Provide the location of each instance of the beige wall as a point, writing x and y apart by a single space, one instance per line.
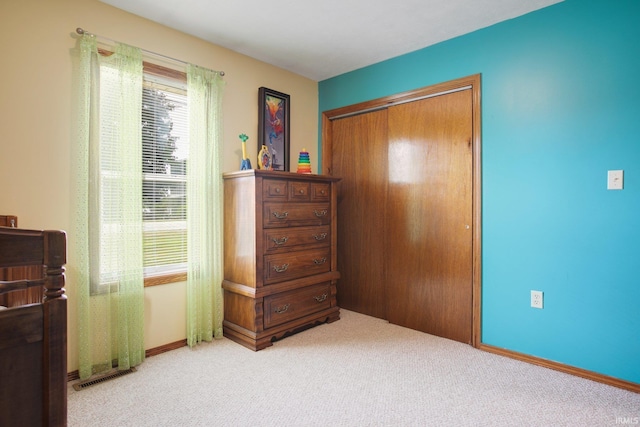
36 44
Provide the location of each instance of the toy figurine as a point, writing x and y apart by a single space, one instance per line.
246 163
264 159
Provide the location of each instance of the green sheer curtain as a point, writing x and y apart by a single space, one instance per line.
204 206
108 247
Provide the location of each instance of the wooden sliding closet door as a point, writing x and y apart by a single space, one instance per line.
429 236
409 210
360 159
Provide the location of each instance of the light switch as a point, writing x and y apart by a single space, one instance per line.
615 180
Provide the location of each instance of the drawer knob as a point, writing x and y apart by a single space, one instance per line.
278 190
282 215
301 191
280 269
320 298
321 213
282 309
319 261
320 236
280 241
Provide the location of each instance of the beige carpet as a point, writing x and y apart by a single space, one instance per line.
358 371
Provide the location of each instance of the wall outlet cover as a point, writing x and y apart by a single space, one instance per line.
536 299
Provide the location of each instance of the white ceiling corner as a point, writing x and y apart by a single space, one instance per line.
322 39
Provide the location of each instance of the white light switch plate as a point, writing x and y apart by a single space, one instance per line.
615 180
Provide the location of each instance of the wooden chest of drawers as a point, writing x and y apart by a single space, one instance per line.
280 268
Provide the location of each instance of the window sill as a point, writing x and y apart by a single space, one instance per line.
165 279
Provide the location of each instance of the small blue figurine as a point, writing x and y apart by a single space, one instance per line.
246 163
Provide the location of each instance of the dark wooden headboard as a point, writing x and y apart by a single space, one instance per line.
26 296
33 337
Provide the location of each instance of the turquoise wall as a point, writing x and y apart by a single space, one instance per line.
560 107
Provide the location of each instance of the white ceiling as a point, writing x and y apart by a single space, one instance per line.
324 38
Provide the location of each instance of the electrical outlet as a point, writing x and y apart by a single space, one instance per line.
536 299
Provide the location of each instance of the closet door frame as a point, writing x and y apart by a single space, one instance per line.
473 83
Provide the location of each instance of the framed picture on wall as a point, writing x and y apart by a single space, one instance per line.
273 126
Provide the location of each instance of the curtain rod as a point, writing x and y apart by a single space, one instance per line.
83 32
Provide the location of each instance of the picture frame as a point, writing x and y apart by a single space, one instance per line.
273 126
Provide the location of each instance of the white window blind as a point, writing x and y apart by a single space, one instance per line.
106 183
165 149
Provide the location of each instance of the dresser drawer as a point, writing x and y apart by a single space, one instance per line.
292 190
299 190
275 189
289 190
293 265
291 305
320 192
283 239
295 214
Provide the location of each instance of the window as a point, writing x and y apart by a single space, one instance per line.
165 149
130 206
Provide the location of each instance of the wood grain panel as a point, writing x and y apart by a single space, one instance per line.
31 295
359 157
21 327
429 216
240 253
243 311
22 401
